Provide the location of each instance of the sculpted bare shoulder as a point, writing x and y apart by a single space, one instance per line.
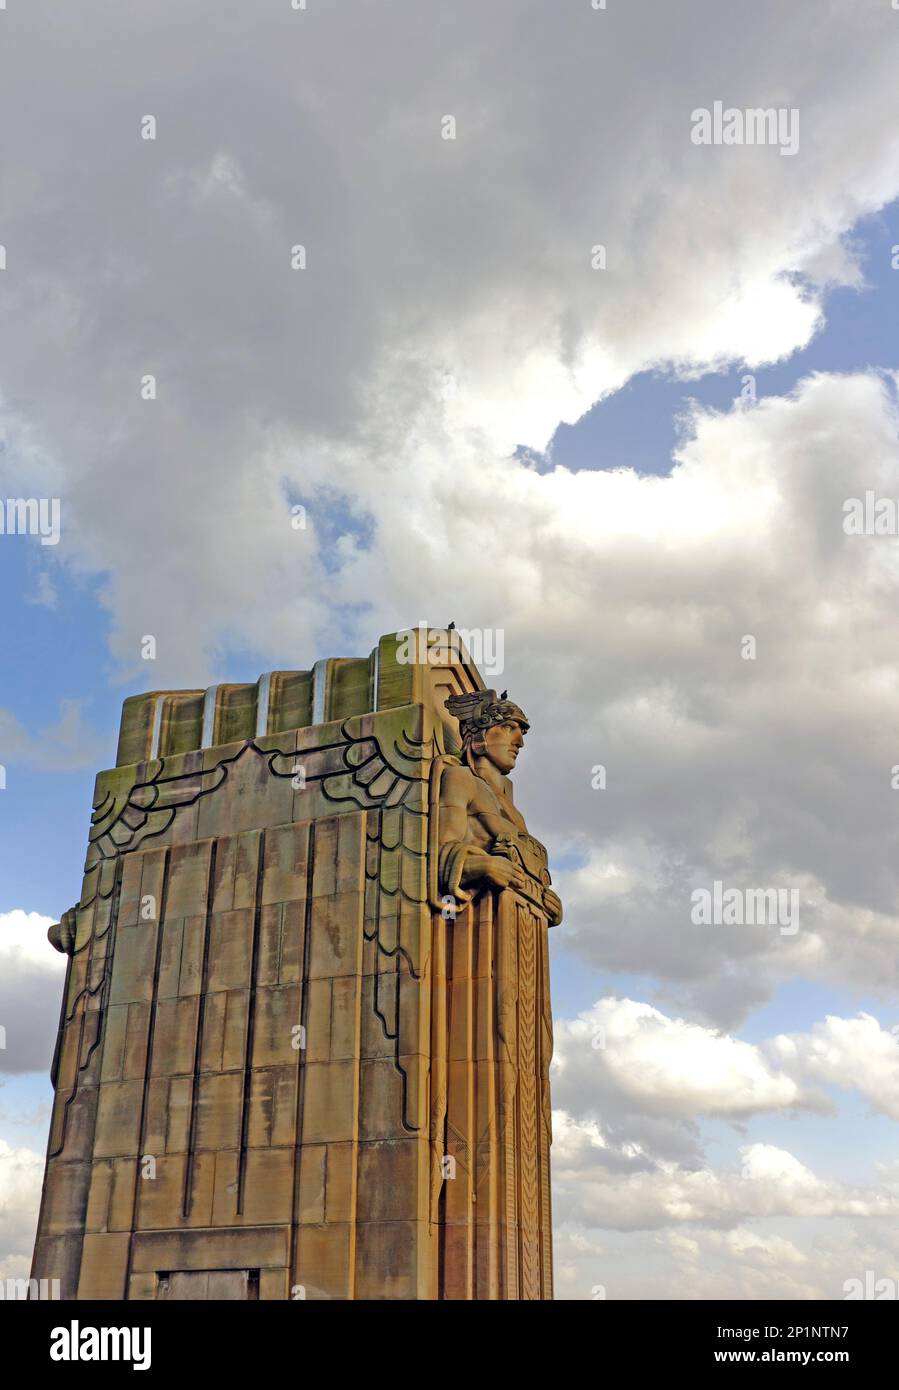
483 836
459 786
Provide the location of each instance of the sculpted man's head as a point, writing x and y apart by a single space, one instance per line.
491 727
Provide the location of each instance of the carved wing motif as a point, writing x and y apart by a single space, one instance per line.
380 764
386 767
383 760
123 820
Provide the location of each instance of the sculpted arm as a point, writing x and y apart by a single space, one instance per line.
464 863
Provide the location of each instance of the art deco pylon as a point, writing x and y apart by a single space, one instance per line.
305 1038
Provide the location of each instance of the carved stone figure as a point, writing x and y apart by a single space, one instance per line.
305 1038
483 837
490 1097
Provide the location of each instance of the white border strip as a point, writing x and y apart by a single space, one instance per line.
319 690
157 727
263 697
209 702
376 672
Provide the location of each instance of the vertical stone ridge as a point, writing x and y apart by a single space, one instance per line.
198 1044
251 1026
148 1064
293 1266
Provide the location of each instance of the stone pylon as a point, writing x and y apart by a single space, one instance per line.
305 1035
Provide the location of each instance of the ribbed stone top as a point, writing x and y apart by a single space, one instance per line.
161 723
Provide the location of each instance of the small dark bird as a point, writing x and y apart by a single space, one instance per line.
504 694
450 626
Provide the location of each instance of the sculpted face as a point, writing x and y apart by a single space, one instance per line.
502 744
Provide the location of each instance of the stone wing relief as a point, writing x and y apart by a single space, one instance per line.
387 775
376 764
364 765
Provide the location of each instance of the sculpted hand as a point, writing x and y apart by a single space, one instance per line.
553 906
502 873
62 933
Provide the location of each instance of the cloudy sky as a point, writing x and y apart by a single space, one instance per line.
629 461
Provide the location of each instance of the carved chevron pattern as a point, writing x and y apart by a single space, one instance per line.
528 1108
